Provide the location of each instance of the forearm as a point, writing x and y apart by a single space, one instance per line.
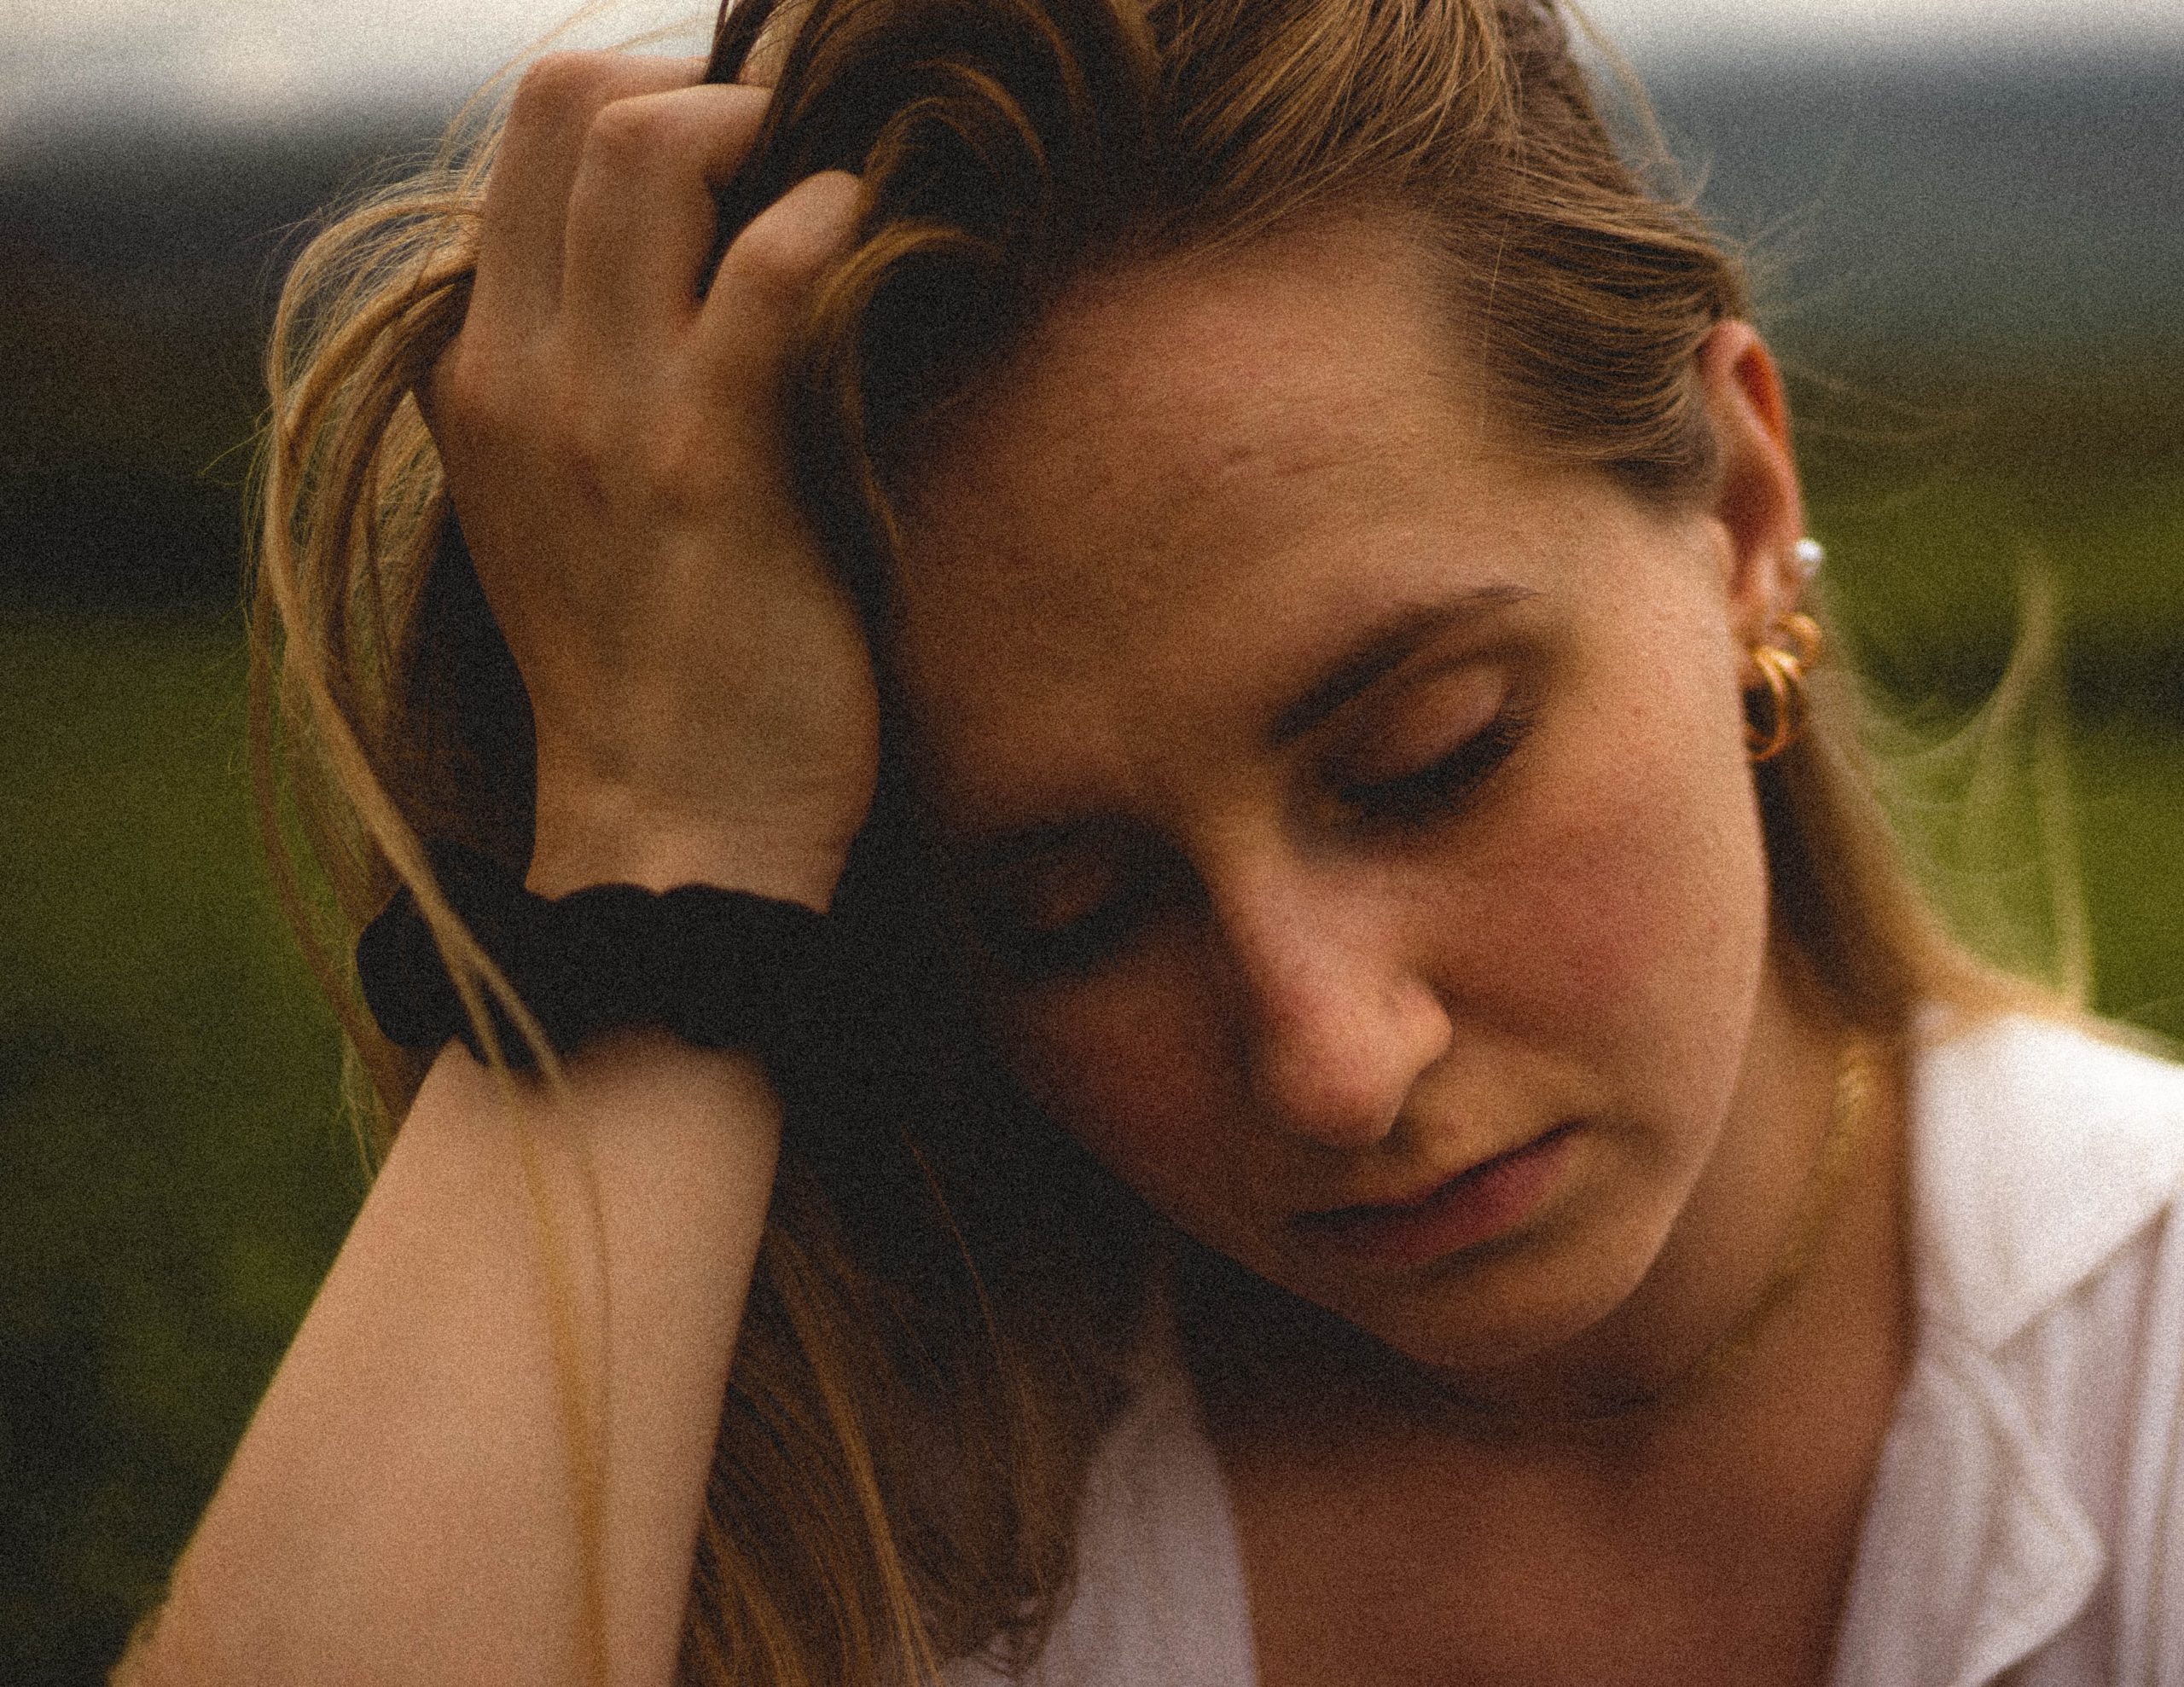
413 1500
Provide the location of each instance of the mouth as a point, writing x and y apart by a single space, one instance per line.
1479 1204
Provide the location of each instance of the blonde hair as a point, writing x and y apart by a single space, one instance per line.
1008 148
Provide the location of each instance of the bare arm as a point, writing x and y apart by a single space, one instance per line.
418 1498
408 1504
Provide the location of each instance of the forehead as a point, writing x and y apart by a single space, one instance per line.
1153 395
1172 503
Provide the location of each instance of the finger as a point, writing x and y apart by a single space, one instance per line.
768 269
518 283
641 215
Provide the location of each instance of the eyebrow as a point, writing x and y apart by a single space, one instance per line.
1384 647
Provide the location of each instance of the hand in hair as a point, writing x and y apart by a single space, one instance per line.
486 1455
699 683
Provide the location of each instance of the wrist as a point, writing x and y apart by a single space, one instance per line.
622 845
718 967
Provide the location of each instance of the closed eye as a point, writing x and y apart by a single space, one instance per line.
1443 785
1065 920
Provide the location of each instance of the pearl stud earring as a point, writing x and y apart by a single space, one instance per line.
1809 555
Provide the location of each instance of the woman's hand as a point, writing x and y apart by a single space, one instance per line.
699 685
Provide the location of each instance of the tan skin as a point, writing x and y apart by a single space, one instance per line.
1304 987
1138 552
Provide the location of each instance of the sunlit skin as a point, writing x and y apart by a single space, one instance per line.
1197 498
1338 795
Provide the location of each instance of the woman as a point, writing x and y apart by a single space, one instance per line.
1401 1123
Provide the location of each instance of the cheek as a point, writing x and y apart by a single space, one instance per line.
1129 1068
1621 909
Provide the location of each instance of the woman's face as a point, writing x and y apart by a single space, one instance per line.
1338 799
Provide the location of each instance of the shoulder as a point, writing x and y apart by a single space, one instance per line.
2040 1444
2029 1510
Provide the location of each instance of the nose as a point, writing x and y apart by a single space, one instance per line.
1333 1015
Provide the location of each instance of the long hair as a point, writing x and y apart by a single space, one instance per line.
946 1289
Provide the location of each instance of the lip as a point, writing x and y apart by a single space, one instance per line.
1479 1204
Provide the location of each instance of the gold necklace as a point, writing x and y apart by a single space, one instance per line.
1859 1073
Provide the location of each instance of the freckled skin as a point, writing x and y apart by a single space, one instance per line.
1127 557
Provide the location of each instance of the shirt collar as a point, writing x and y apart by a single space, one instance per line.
2036 1153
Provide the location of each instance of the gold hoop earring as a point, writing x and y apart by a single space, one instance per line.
1773 726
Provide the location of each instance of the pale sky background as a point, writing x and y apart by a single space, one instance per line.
66 63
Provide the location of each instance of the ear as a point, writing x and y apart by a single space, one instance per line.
1757 502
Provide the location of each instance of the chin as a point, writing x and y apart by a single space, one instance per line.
1497 1312
1492 1315
1483 1334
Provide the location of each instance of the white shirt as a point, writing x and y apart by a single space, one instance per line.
2028 1514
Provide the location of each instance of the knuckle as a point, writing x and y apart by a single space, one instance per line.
769 259
561 90
629 136
781 251
459 397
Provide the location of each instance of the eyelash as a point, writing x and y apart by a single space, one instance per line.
1409 803
1437 790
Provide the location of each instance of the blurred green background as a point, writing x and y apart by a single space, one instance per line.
1973 270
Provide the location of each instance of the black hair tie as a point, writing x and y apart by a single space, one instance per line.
720 969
